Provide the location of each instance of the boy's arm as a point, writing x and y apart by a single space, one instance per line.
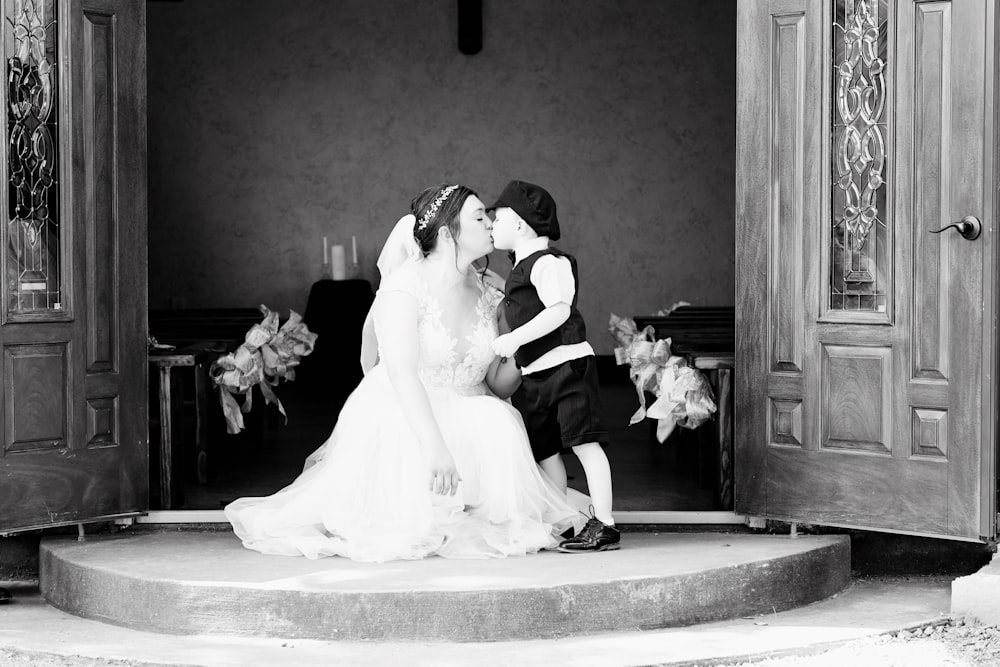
553 278
544 322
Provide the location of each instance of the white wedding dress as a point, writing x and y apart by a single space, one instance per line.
364 494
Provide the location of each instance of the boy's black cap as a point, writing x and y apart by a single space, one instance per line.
534 204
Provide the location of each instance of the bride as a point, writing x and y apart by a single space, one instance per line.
424 459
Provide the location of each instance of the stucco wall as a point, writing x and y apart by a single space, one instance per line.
273 124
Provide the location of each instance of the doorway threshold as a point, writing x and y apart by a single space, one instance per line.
650 517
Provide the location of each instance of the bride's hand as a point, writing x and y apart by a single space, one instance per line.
444 474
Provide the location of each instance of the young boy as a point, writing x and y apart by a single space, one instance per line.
558 396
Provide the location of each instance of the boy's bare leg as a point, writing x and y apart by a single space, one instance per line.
598 470
556 470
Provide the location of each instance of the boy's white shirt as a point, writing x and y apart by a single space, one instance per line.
552 277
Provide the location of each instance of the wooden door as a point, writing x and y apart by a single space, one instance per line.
866 343
73 309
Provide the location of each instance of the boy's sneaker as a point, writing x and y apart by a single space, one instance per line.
595 536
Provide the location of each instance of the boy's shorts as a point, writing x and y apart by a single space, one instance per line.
561 407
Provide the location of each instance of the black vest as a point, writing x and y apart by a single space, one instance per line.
522 304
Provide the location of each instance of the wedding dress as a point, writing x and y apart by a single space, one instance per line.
364 494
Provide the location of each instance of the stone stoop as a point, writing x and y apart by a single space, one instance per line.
977 596
207 583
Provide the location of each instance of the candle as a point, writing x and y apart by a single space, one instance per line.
324 252
338 266
354 250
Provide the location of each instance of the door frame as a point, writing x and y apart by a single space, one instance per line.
990 521
990 462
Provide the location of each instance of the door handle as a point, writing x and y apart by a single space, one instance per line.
969 227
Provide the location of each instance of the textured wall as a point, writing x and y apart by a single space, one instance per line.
269 128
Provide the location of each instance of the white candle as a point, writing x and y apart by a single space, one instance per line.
338 264
354 250
324 252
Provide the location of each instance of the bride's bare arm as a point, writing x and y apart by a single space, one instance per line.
369 346
396 317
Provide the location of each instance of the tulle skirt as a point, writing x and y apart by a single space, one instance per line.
364 494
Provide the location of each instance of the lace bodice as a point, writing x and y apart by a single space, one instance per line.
443 359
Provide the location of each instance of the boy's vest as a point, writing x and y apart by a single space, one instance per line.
522 304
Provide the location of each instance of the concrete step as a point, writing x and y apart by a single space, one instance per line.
207 583
977 596
33 634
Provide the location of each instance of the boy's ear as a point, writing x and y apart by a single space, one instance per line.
522 225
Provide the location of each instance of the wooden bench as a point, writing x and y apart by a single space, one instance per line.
706 336
192 325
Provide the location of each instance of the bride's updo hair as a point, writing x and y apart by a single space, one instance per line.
434 208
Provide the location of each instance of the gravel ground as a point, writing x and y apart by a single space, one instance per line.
950 644
31 659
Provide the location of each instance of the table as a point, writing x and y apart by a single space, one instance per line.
719 369
705 336
170 415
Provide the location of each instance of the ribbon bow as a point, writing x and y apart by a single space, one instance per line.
266 356
683 395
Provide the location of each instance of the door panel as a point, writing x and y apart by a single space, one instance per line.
927 34
99 217
74 364
790 107
874 331
855 406
36 410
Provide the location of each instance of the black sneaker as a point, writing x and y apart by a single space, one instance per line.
595 536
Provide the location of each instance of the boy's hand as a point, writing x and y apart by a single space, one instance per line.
506 345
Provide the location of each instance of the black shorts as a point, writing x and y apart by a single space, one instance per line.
561 407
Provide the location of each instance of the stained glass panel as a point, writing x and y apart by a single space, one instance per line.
32 217
859 257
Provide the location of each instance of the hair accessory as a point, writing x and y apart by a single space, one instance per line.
435 205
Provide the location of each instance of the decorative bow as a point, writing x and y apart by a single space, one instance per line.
266 356
683 395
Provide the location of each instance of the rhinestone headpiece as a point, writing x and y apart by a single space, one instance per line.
435 205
